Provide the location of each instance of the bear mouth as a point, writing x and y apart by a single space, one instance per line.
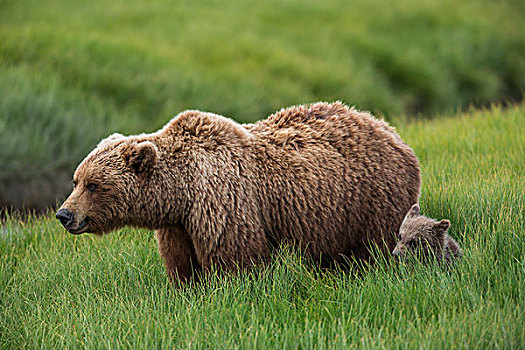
81 227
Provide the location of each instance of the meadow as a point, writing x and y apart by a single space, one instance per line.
64 291
74 72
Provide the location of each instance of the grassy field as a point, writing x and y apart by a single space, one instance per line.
72 72
64 291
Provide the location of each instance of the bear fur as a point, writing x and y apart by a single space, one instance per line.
426 238
325 178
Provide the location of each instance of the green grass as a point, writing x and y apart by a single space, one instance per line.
73 72
64 291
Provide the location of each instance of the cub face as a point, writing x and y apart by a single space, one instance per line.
421 237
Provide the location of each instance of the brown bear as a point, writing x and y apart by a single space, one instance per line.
425 238
326 178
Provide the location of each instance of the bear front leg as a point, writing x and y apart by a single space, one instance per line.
176 249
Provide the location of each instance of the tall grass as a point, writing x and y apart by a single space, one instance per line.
72 73
64 291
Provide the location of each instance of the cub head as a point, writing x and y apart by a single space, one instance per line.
420 237
107 184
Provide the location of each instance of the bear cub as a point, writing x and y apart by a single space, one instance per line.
425 238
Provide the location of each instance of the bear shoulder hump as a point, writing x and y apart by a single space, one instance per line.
206 125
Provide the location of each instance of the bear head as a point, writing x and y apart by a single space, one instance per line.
420 236
108 184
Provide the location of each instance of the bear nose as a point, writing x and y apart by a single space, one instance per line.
396 253
65 217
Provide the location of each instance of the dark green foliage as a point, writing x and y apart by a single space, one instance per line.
73 72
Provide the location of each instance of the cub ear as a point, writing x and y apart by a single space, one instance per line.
442 226
141 157
414 211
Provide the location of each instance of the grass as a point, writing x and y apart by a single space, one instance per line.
64 291
75 72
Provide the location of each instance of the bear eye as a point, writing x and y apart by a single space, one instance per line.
74 183
91 187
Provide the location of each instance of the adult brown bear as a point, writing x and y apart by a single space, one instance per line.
326 178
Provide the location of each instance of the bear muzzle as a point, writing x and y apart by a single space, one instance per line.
67 219
398 252
65 216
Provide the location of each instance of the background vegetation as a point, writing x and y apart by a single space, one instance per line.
64 291
73 72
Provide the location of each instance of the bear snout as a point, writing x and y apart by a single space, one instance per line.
65 217
398 252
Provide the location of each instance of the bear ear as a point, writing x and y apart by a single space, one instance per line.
141 157
442 226
414 211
